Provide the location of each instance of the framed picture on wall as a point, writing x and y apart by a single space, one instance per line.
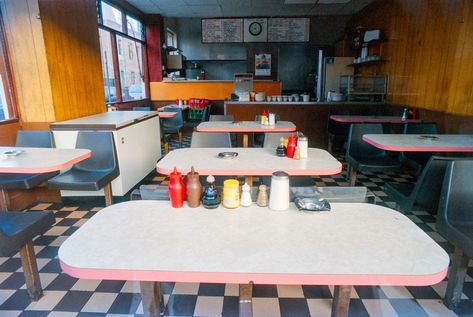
263 65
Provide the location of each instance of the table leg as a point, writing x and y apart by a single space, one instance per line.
249 180
246 297
341 301
3 200
153 301
30 270
456 278
245 139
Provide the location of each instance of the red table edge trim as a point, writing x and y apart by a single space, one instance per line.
296 172
338 119
47 169
247 130
415 148
257 278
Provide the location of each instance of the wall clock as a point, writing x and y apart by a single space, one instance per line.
255 28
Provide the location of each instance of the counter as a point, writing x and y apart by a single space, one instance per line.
137 142
309 117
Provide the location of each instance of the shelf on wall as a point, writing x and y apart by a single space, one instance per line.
367 63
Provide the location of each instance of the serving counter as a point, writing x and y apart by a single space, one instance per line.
137 142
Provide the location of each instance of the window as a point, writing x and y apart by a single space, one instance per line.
123 54
7 100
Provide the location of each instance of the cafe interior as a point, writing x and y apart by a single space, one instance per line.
236 158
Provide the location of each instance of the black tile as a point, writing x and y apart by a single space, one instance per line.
468 289
408 308
10 265
125 303
62 282
52 267
181 305
48 252
167 287
426 218
110 286
44 240
265 291
73 301
294 307
82 314
90 214
464 308
70 231
33 313
370 292
62 214
67 222
311 291
14 281
357 309
18 301
423 292
230 306
207 289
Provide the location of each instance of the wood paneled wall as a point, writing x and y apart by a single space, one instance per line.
428 52
8 133
73 53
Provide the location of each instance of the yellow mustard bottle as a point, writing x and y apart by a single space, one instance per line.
231 193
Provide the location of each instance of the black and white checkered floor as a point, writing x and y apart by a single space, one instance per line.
69 297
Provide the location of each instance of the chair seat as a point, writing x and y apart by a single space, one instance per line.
294 181
18 228
23 181
375 163
76 179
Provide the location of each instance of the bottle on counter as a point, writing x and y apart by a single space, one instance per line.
281 150
264 117
210 199
193 188
231 193
202 74
291 146
303 145
297 154
176 189
245 200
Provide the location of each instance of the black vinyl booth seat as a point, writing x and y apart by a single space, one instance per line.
418 160
363 157
17 230
94 173
425 192
455 223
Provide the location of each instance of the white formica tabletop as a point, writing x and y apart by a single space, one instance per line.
371 119
354 244
245 126
421 142
113 120
40 160
249 162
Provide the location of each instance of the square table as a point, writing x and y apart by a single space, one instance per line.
354 244
37 160
421 142
245 127
249 162
371 119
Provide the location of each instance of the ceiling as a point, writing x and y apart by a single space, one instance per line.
247 8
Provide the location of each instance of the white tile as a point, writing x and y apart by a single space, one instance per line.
266 307
96 209
232 290
62 314
42 206
56 231
5 294
77 214
208 306
131 287
69 208
42 262
58 241
441 287
379 308
4 276
11 313
86 285
120 315
80 222
435 308
290 291
396 292
353 293
48 301
186 288
320 307
99 303
139 310
38 248
47 278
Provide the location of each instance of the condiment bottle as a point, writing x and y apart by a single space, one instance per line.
281 150
245 200
231 193
264 117
176 189
262 199
193 188
210 198
297 154
303 145
291 146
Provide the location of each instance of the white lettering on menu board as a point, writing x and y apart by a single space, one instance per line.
288 30
222 30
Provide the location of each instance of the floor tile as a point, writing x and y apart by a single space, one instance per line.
206 289
396 292
435 308
99 303
73 301
186 288
266 307
408 308
321 307
62 314
293 307
357 309
48 301
290 291
231 290
265 291
63 282
17 301
5 294
110 286
208 306
379 308
86 285
230 306
181 305
125 303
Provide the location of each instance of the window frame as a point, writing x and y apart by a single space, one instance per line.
114 39
8 79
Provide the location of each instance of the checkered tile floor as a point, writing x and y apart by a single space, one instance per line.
66 296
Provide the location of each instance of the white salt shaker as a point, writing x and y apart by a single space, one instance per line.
245 199
272 119
279 191
303 145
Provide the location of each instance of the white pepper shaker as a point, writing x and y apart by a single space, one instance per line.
303 145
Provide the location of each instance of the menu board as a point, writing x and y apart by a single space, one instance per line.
222 30
288 29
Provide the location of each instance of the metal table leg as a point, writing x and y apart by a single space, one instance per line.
246 296
341 301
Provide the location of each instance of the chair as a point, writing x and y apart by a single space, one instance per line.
206 114
425 192
142 108
8 181
175 124
94 173
363 157
455 223
337 131
272 140
17 230
221 117
203 139
417 160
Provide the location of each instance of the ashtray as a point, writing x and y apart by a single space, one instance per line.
13 153
428 137
236 122
312 204
227 155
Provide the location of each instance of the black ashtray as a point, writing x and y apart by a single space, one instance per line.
227 155
312 204
428 137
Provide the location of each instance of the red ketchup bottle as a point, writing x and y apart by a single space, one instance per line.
176 189
291 146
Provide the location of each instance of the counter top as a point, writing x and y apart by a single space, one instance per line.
114 120
302 103
212 80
